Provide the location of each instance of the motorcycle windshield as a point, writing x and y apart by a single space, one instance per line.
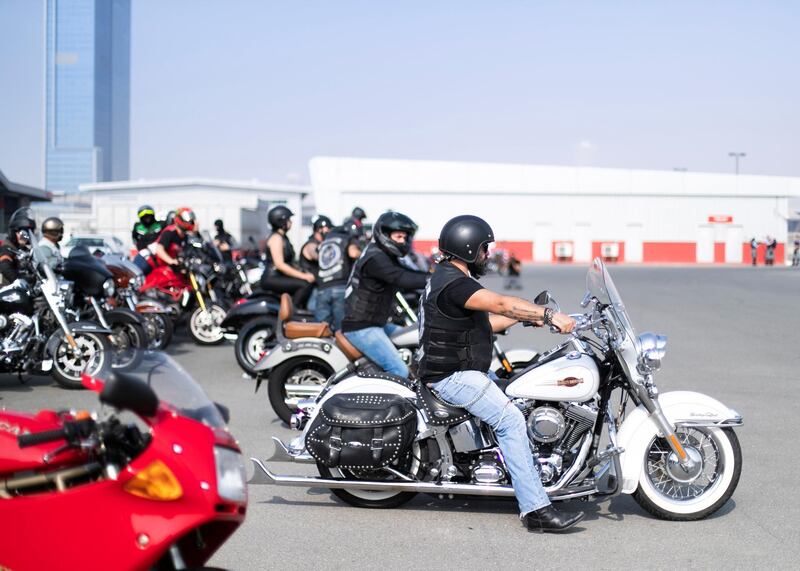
172 384
600 285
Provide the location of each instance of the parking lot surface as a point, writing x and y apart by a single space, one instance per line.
733 334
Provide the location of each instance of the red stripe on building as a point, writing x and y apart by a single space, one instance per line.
674 252
719 252
522 250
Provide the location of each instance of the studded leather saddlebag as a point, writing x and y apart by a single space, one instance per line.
362 430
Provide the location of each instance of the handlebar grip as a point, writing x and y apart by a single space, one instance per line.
26 440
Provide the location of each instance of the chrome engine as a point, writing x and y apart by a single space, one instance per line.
554 430
15 330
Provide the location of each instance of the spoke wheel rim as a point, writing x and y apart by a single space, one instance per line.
670 481
257 345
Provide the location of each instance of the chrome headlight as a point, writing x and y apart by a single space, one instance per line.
108 287
652 349
231 476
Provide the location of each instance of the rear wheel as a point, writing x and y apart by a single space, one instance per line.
255 338
668 491
204 326
293 380
159 329
69 362
409 465
127 335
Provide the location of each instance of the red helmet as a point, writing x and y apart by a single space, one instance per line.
185 219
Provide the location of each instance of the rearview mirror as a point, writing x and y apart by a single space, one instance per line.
129 393
543 298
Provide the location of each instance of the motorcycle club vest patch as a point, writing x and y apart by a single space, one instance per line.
368 299
334 263
450 344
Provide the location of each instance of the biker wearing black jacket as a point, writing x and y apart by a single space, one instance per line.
18 227
374 281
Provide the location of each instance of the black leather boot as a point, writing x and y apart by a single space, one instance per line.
550 520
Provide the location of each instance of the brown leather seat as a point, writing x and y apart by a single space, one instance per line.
297 329
347 348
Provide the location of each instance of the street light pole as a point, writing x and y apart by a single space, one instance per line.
737 156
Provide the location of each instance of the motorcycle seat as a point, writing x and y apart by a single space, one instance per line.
347 348
297 329
439 413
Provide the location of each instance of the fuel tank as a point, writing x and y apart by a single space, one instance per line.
571 377
16 298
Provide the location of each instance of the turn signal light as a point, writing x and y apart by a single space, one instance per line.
156 482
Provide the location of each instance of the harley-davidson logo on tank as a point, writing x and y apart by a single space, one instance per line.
563 379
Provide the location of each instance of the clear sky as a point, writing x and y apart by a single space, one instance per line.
253 89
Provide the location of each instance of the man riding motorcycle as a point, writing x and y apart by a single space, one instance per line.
458 318
171 240
337 253
369 297
49 247
147 228
281 275
18 227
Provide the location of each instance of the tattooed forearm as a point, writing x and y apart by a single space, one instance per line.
522 310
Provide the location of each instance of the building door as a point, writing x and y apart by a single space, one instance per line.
543 243
705 244
634 250
581 242
733 244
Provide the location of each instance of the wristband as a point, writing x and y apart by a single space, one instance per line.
548 316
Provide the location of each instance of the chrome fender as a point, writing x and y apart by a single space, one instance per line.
322 349
682 408
514 356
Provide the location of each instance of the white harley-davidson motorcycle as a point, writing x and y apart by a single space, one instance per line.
377 439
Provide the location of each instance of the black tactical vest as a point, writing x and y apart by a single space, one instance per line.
311 266
449 344
369 300
334 262
288 253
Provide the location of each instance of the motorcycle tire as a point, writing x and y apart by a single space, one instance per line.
203 331
159 328
255 338
67 368
306 370
715 447
371 499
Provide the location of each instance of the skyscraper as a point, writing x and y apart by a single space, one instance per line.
87 99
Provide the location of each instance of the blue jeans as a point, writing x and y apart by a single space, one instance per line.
330 306
374 342
485 400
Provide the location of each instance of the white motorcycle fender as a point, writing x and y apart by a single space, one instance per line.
514 356
303 347
638 428
356 384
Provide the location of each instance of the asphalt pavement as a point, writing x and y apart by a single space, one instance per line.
733 334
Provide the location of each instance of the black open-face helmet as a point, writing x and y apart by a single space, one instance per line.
53 228
464 237
389 222
278 217
321 221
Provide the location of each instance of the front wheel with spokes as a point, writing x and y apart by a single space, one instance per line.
672 491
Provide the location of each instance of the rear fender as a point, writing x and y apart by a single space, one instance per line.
239 314
122 315
680 408
150 306
77 327
321 349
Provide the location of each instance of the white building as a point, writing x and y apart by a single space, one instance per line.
242 205
544 213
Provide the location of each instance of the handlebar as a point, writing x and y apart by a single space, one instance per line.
72 430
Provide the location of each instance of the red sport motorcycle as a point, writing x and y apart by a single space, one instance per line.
162 493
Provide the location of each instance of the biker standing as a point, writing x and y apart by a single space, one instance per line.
337 252
457 319
18 227
282 276
374 281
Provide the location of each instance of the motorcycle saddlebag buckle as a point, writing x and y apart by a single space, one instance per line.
362 430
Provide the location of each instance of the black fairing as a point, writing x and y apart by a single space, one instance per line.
129 393
16 300
87 272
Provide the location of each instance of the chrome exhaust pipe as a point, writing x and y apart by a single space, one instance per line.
263 476
283 453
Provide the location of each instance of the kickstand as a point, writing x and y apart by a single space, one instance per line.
21 380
